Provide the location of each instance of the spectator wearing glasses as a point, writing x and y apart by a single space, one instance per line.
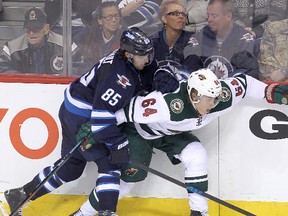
224 46
171 40
38 51
105 32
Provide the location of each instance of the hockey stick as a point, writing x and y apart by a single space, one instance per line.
53 171
191 188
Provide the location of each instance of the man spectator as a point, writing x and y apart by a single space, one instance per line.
217 42
38 51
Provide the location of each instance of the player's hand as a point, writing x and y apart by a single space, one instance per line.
86 135
165 80
119 154
277 93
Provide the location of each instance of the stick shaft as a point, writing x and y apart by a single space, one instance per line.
53 171
191 189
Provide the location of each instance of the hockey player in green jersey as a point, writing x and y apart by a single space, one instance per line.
165 122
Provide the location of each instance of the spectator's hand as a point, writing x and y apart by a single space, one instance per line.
119 154
85 134
131 7
277 76
277 93
165 80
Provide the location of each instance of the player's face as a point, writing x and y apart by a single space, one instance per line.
175 17
218 21
36 36
205 104
110 20
140 62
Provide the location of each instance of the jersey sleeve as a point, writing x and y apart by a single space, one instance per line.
242 86
148 109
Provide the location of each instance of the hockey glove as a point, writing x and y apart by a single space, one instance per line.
165 80
277 93
119 154
86 135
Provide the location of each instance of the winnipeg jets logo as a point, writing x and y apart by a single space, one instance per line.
219 65
193 41
57 63
247 37
123 81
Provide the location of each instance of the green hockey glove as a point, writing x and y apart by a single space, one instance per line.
277 93
86 135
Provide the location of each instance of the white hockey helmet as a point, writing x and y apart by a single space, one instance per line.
205 82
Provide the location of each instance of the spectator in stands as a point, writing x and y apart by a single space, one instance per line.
254 15
221 40
81 17
104 35
171 40
273 56
38 51
142 14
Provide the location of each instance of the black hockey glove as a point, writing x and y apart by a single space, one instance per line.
277 93
86 135
119 154
165 80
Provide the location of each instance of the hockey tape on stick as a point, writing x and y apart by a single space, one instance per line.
53 171
191 188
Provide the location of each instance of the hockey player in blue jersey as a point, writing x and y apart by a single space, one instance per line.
165 122
95 97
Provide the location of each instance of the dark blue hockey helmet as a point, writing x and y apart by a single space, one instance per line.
136 42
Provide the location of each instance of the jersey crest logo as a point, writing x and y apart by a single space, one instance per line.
123 81
131 172
219 65
225 94
57 63
177 105
247 37
193 41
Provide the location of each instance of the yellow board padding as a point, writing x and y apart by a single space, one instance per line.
63 205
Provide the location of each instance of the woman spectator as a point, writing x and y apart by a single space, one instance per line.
104 35
170 41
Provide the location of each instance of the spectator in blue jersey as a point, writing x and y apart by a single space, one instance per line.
104 34
222 42
92 101
171 40
38 51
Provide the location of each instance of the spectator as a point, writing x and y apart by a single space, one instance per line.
217 42
254 15
273 56
104 34
171 40
142 14
81 17
1 6
38 51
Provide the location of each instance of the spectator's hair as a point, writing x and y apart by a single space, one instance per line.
98 13
227 5
164 6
